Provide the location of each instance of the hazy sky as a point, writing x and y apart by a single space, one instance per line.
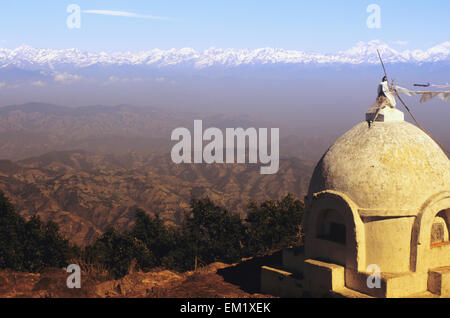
319 25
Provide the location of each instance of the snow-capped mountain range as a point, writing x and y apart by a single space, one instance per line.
27 57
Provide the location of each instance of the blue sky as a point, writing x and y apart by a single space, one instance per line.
325 26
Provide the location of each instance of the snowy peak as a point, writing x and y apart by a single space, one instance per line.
362 52
367 52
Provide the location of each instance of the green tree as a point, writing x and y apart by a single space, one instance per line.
159 238
274 224
116 251
11 246
212 233
30 245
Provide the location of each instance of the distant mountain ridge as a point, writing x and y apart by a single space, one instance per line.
29 58
32 129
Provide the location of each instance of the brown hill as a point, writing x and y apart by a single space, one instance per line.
125 163
85 192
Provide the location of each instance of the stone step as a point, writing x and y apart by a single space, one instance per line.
281 283
345 292
323 277
439 281
392 285
426 294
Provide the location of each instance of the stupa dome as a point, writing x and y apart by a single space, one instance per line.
391 166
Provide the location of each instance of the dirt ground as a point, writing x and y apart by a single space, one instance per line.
217 280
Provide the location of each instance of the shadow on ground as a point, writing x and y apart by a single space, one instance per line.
247 274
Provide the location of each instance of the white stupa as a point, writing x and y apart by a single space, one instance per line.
379 199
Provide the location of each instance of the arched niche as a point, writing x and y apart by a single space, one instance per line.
439 229
433 217
331 226
334 231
